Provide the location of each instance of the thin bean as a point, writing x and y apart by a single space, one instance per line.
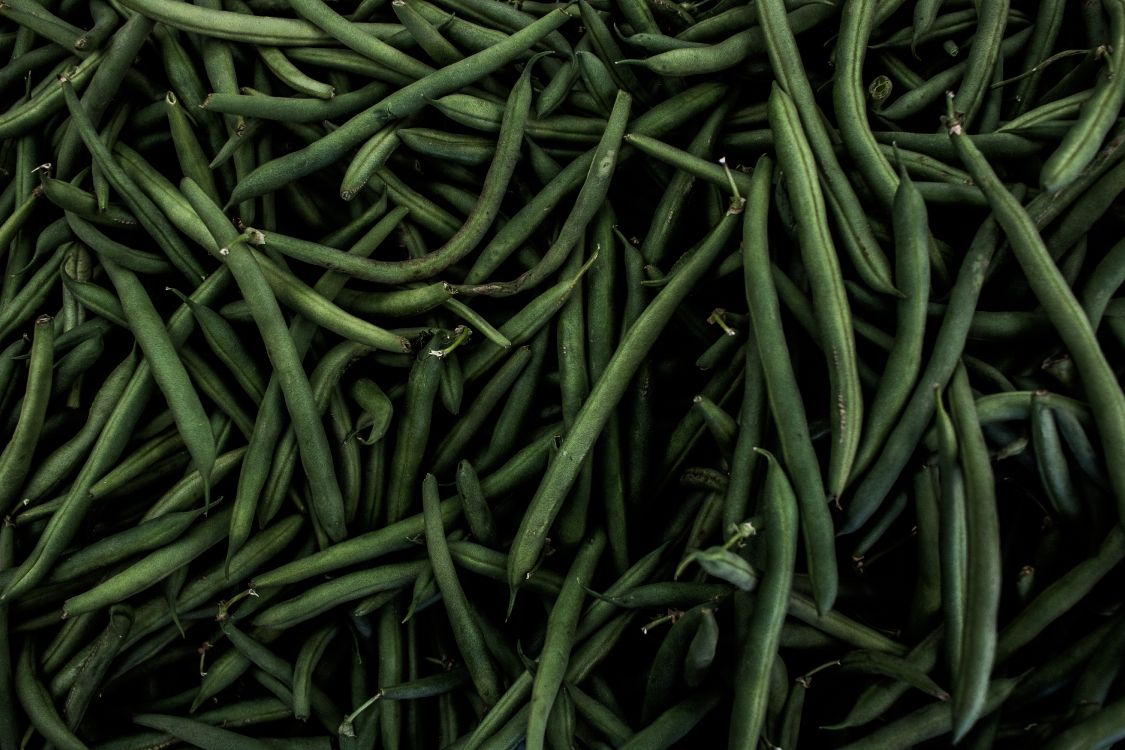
785 59
315 454
830 305
15 460
1097 117
466 631
405 101
784 397
1064 311
606 393
758 653
167 370
912 277
558 643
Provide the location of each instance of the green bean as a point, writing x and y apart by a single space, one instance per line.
15 460
982 560
74 199
1084 138
137 261
234 26
362 548
1054 473
786 62
1102 729
507 19
992 18
36 701
602 718
1060 596
848 96
916 414
673 201
252 103
605 395
769 610
323 381
414 428
212 385
15 221
458 437
316 308
838 626
189 152
912 276
559 640
731 51
64 525
675 723
437 47
696 166
148 535
315 455
292 76
590 198
461 149
1092 687
1058 300
1086 211
53 469
97 300
17 68
151 569
405 101
831 306
929 722
25 117
169 373
97 665
783 395
146 212
199 734
1045 31
466 631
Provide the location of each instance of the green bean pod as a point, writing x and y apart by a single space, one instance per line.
770 605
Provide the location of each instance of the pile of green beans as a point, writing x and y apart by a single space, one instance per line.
472 374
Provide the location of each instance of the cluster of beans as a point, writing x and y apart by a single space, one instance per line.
620 374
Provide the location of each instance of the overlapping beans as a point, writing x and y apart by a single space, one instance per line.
621 374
